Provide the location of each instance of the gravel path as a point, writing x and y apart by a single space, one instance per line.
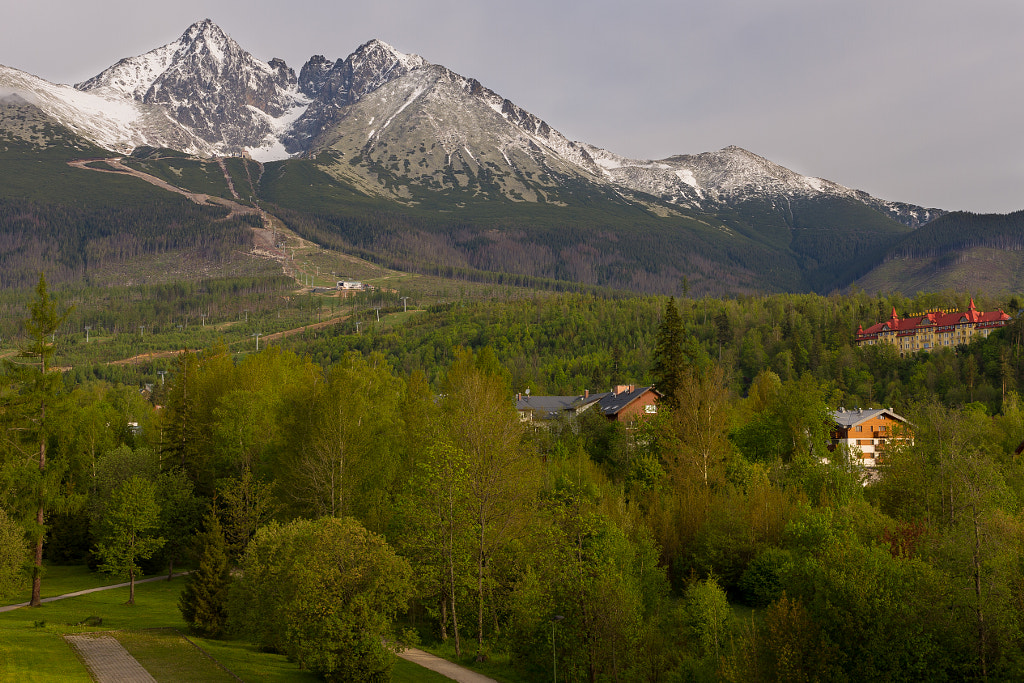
107 660
443 666
8 608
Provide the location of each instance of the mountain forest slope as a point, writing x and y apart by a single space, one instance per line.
405 162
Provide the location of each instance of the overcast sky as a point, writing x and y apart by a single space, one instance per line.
919 101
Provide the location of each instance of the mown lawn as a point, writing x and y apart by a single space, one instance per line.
32 647
58 580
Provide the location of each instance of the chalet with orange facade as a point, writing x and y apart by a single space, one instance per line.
929 331
867 432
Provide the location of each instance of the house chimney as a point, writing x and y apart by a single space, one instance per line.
586 394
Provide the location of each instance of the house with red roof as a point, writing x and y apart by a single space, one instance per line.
932 330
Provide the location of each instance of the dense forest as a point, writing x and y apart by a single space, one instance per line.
566 344
716 540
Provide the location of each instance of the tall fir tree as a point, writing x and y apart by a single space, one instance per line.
669 356
203 603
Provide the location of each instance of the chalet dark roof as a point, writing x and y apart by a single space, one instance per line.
613 402
550 407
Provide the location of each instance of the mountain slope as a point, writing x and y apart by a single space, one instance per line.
208 83
961 251
390 154
108 121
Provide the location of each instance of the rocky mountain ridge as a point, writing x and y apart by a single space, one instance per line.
377 109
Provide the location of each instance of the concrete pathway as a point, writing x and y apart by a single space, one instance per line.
443 666
8 608
107 660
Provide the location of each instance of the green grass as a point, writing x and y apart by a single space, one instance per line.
169 658
58 580
29 654
407 672
31 644
250 664
32 647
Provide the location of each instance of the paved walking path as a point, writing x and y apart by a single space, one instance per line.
107 660
8 608
443 666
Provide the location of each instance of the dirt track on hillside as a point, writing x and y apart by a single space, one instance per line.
119 168
264 338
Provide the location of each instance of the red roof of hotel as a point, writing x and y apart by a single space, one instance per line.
897 324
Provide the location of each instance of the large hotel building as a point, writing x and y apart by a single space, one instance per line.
931 330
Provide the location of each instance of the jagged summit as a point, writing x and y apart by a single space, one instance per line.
203 93
207 82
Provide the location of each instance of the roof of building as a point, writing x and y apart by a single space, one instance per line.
620 397
610 403
550 407
934 319
850 417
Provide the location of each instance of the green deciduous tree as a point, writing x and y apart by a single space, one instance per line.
325 593
438 530
127 532
344 442
501 471
699 424
708 616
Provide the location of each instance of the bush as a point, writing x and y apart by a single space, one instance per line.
325 593
764 579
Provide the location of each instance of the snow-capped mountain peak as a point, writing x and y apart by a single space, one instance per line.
210 84
203 93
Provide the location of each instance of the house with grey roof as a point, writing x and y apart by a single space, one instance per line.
623 403
867 432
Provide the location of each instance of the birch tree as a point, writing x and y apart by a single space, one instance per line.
501 471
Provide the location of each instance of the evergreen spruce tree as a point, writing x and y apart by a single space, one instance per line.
669 360
675 352
203 603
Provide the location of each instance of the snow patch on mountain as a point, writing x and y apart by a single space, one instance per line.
210 84
109 121
203 94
